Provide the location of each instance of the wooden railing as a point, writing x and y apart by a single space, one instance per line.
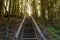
38 29
19 29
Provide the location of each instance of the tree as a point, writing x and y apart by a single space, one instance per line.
1 7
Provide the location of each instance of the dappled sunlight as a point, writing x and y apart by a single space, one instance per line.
28 19
29 9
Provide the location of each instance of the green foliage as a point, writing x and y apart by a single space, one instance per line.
39 24
54 32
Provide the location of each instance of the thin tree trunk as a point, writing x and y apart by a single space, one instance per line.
43 18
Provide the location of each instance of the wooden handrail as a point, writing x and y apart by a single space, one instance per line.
37 27
19 29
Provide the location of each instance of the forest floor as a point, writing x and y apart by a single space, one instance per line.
12 21
12 24
53 32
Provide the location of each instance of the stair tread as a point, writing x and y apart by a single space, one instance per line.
29 38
